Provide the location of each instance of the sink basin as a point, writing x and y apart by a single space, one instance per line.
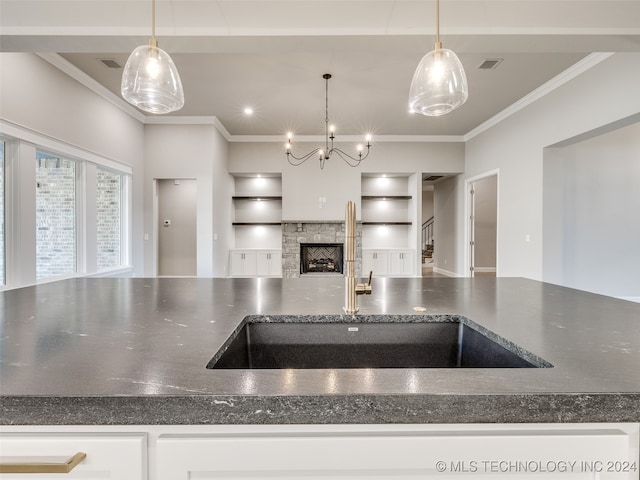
377 341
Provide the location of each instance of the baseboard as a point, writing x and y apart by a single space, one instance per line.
442 271
484 269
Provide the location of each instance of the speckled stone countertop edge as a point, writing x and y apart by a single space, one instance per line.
324 409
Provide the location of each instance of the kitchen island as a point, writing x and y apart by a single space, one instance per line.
134 351
106 364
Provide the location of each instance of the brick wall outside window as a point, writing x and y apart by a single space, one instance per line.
109 208
55 216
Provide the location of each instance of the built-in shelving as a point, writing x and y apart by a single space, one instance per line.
256 223
256 197
257 226
387 223
386 197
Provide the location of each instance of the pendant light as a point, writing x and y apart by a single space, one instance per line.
150 80
439 83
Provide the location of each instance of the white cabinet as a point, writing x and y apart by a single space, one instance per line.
339 452
242 263
511 452
388 262
255 262
121 456
269 263
401 263
376 261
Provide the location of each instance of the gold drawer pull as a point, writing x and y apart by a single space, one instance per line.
40 464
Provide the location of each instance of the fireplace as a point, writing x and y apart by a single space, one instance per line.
325 258
314 233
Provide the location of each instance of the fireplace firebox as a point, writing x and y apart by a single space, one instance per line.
326 258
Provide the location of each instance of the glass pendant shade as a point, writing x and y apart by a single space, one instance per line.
439 84
150 81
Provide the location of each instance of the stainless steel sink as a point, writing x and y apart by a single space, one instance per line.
380 341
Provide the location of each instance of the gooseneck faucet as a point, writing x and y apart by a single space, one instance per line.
352 287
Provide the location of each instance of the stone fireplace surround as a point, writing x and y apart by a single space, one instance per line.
296 232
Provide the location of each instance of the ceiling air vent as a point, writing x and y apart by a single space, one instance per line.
433 178
109 63
490 63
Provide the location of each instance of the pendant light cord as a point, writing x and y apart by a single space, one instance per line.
438 45
437 21
153 20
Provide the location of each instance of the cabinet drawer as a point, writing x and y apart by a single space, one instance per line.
445 455
117 456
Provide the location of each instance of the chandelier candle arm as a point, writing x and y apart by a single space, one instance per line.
329 133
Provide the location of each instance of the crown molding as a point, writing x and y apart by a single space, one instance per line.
556 82
350 138
78 75
178 120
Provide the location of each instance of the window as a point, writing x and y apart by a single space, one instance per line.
2 242
109 219
55 216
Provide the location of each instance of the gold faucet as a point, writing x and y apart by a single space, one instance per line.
352 287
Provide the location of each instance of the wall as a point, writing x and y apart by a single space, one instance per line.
198 152
606 93
427 203
41 102
592 207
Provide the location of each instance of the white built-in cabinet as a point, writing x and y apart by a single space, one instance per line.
389 262
339 452
269 263
388 226
376 261
257 227
255 262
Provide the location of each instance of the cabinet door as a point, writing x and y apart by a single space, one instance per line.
117 456
275 264
242 263
447 455
401 263
269 263
375 261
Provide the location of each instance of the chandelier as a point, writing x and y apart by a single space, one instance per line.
439 83
150 80
323 154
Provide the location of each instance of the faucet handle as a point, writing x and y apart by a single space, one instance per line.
364 288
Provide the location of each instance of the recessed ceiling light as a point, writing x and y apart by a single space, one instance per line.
248 111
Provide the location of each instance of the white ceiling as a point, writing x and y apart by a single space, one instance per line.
271 55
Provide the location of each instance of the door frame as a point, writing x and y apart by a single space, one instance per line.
468 227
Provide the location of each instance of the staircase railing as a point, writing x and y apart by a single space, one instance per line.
427 233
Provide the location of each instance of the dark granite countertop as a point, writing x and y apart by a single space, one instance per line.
134 351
